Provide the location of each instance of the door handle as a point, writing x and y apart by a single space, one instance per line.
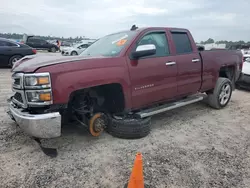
170 63
195 60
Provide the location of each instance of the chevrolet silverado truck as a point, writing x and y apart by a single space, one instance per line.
119 82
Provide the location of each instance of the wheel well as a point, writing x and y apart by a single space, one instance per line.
109 97
227 72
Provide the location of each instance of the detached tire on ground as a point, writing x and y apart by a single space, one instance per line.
129 128
221 95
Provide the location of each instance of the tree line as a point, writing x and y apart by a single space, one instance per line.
228 43
17 36
79 38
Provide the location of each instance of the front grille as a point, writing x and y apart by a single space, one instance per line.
18 97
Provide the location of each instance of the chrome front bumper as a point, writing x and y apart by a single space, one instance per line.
36 125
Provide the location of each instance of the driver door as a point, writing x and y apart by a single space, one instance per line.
153 78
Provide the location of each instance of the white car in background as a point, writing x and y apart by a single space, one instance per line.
75 49
244 80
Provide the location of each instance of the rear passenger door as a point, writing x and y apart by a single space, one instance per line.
153 78
188 63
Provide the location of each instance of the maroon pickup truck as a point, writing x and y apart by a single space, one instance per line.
119 82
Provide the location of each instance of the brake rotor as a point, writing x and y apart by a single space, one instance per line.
96 124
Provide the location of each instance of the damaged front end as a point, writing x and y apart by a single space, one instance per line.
34 91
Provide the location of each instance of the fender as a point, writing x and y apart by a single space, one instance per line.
69 77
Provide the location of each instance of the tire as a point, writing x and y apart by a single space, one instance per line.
74 53
53 49
14 59
221 95
129 128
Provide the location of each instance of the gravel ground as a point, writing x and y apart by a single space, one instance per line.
194 146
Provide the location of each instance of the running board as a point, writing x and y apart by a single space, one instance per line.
170 106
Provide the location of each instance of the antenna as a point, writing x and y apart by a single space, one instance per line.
134 27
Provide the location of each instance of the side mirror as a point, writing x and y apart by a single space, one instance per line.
201 48
144 50
248 59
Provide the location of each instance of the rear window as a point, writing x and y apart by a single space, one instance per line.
2 43
11 44
182 43
6 43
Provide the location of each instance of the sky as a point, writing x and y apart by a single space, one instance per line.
217 19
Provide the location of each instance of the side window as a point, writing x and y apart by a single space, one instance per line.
35 40
11 44
182 43
83 46
159 40
30 40
80 47
6 43
2 43
40 41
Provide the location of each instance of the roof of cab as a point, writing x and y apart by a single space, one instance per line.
151 28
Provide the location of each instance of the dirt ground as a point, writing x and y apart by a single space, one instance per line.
194 146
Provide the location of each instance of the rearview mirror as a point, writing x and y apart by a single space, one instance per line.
248 59
144 50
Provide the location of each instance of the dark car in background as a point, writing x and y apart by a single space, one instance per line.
11 51
39 44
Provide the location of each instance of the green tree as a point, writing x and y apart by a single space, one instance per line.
209 41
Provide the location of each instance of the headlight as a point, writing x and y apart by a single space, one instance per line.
37 80
36 97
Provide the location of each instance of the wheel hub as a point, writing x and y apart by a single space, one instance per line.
99 124
225 94
96 124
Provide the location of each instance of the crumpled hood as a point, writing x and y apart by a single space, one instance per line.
33 62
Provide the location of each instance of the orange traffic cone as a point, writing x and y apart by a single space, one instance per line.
136 179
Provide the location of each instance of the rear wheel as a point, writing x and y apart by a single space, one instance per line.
74 53
53 49
14 59
221 94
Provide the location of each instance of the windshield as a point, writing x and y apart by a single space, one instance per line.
110 45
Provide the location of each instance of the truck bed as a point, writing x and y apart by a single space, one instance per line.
217 58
